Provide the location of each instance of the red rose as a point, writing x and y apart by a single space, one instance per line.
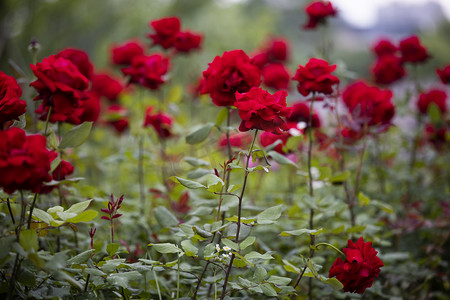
230 73
123 54
300 113
89 109
278 49
116 116
161 122
166 30
239 140
444 74
61 86
384 47
80 59
148 71
412 51
360 268
315 76
374 105
260 59
268 138
11 107
388 69
318 12
350 135
437 135
435 96
105 85
63 170
24 161
260 110
276 76
186 41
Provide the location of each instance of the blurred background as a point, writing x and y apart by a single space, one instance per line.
226 24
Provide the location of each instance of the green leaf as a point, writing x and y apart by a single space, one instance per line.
122 279
363 200
209 251
279 280
302 231
221 116
340 178
247 242
214 183
268 290
269 215
93 271
334 283
200 134
76 136
42 216
290 267
112 248
357 228
164 217
187 183
29 240
281 159
189 248
434 113
166 248
53 143
383 206
85 216
175 94
65 215
196 162
230 244
79 207
81 258
201 232
234 187
256 255
260 274
311 268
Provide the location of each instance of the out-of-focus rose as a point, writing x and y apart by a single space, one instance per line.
300 113
438 97
315 77
388 69
230 73
239 140
276 76
166 30
318 12
11 106
117 117
123 54
278 49
268 138
359 270
107 86
161 122
259 109
444 74
182 205
148 71
383 47
80 59
186 41
24 161
413 51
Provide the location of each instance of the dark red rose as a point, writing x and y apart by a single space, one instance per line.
230 73
80 59
182 205
166 30
61 86
360 268
240 140
148 71
413 51
300 113
117 117
384 47
435 96
161 122
268 138
123 54
444 74
63 170
186 41
315 76
276 76
11 106
388 69
89 109
373 104
260 110
24 161
107 86
351 135
318 12
437 135
278 49
260 59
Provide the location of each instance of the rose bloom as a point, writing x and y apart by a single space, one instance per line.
360 268
444 74
278 49
80 59
318 12
374 105
435 96
24 161
238 140
437 135
186 41
230 73
383 47
117 117
148 71
275 75
315 76
259 59
123 54
63 170
60 85
161 122
413 51
300 113
166 30
107 86
89 109
268 138
11 106
388 69
351 135
260 110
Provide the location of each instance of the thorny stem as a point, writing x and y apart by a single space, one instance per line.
227 275
31 210
10 211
